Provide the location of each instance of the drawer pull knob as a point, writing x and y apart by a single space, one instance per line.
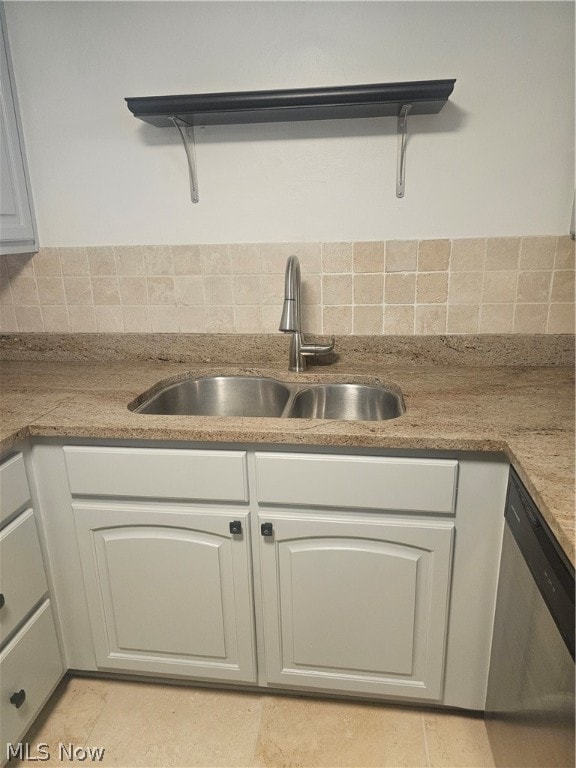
18 698
267 529
2 600
236 526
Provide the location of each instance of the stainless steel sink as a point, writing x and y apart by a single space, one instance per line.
220 396
350 402
263 396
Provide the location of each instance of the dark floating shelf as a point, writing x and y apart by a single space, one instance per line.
421 97
426 97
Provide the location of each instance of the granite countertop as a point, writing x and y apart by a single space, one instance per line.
527 413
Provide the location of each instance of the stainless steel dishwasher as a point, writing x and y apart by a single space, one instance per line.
530 702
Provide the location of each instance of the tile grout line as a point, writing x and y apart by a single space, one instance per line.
426 750
97 720
257 739
549 297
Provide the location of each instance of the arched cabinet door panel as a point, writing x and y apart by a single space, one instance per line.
353 604
169 592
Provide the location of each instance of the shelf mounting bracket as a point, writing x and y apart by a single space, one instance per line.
401 154
186 132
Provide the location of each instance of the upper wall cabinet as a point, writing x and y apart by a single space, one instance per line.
17 224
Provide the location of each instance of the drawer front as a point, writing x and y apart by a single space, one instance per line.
22 577
157 473
14 491
361 482
31 663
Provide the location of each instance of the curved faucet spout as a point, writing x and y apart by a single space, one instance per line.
290 322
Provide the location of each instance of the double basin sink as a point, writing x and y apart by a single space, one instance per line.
267 397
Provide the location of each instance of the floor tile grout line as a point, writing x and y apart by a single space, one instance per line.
257 739
424 736
91 731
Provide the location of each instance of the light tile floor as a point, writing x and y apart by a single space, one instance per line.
141 725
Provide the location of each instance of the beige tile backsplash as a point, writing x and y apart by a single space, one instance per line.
474 285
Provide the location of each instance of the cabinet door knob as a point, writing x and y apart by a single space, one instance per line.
2 600
236 526
18 698
267 529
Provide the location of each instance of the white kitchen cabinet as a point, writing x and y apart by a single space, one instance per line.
30 662
351 603
169 590
379 579
355 603
17 223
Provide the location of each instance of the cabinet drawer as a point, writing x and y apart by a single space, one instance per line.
364 482
14 491
157 473
31 663
22 578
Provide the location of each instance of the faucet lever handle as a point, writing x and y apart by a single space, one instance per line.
317 349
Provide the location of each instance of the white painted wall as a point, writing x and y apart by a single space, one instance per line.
499 159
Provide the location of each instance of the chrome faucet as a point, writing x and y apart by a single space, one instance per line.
290 321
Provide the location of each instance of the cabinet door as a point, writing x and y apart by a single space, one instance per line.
169 592
17 230
354 604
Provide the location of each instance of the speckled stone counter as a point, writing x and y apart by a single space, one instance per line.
524 412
